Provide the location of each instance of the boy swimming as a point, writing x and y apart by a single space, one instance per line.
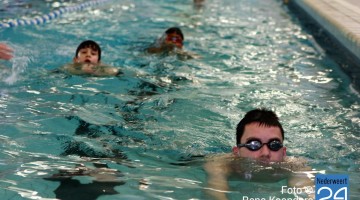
87 61
171 42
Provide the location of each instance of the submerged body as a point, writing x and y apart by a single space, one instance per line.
90 69
222 169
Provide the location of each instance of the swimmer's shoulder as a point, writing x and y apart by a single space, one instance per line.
99 70
71 68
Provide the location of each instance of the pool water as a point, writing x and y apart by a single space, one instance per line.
154 124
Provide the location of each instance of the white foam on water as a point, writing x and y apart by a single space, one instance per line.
19 64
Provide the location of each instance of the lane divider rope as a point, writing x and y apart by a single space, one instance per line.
50 16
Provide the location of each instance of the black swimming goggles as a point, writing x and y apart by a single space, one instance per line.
254 145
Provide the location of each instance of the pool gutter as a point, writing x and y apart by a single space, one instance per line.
341 20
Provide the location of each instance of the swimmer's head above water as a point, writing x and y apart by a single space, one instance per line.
260 135
88 52
174 36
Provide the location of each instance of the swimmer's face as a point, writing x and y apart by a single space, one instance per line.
87 55
174 39
264 134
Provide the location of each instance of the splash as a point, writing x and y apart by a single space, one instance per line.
19 65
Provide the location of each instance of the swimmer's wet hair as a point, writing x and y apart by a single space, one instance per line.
262 116
175 30
89 43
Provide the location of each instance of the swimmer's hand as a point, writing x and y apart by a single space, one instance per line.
5 52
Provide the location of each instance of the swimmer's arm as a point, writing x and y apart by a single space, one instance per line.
160 49
106 70
153 50
156 50
172 49
301 180
301 172
217 180
186 54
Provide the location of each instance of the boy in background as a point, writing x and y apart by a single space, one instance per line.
171 42
87 61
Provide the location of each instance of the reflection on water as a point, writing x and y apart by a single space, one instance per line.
144 135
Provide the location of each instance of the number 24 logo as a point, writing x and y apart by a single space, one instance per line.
335 197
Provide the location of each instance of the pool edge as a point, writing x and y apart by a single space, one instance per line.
341 20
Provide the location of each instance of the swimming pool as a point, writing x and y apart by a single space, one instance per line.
151 123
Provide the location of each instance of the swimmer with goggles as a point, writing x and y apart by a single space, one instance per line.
256 144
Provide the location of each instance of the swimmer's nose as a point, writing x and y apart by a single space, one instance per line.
264 152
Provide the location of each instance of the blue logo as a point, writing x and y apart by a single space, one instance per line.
331 186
